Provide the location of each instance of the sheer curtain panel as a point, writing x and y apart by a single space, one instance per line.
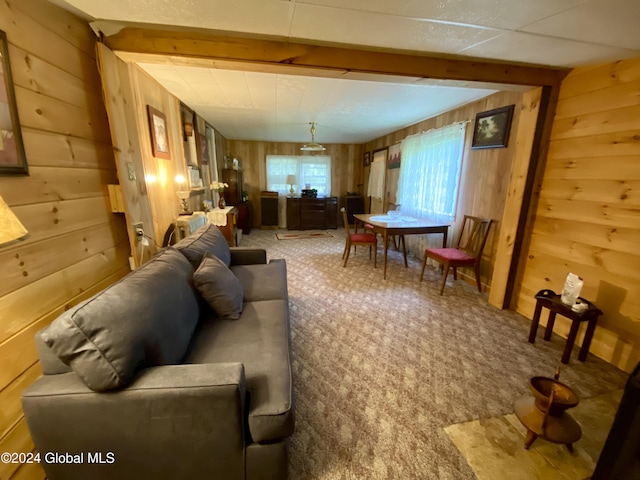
429 179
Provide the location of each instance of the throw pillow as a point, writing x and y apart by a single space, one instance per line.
219 287
207 239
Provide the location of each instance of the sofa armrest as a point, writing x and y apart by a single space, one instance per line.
175 421
248 256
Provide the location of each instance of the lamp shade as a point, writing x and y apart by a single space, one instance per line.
11 230
291 179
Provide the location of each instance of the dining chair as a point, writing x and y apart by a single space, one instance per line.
467 252
358 239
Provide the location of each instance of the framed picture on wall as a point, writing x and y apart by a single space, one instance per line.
491 129
159 135
395 152
366 159
12 157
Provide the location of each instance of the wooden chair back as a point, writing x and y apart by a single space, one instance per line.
473 235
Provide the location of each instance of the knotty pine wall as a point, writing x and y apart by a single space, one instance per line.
485 176
587 219
76 246
346 167
150 198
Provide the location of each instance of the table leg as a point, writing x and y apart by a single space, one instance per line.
444 238
535 322
550 322
404 250
584 350
571 339
386 247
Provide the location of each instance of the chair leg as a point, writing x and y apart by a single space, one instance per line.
369 252
424 264
455 273
347 250
476 268
444 277
347 246
375 256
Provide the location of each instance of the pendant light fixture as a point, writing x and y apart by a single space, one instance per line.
313 146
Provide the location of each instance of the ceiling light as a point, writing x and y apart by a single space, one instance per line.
313 146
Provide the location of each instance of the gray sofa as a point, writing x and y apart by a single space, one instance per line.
146 380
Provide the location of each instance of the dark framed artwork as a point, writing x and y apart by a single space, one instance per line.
13 160
491 129
159 136
366 159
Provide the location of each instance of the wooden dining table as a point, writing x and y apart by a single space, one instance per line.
400 225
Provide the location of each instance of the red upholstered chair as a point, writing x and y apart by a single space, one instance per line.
467 252
358 239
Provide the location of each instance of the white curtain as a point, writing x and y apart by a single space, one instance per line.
429 178
376 179
314 170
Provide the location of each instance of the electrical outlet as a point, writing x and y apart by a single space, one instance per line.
138 231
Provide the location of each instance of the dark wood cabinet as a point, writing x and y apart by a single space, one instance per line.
354 204
245 217
233 194
312 213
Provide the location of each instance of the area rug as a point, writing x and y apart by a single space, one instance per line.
298 236
494 447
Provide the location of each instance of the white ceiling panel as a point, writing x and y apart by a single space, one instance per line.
505 14
528 48
269 17
373 29
607 22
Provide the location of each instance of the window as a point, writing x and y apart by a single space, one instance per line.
312 170
430 173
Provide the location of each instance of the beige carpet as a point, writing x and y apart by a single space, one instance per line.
381 367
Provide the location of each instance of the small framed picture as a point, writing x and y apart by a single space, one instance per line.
13 160
491 129
159 137
366 159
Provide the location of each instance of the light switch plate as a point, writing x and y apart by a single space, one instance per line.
131 170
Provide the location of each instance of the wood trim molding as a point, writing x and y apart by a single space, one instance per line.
184 42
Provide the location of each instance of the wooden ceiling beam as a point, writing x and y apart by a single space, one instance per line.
260 51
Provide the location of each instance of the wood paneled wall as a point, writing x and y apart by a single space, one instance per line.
346 166
76 246
151 197
587 219
485 176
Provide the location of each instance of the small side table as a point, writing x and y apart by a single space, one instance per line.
551 300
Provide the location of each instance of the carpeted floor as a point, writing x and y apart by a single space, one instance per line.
381 367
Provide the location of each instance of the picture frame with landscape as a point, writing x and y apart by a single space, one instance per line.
491 128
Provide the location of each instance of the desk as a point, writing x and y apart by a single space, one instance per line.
389 226
551 300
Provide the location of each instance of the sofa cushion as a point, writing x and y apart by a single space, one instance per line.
219 287
260 341
263 281
207 239
146 318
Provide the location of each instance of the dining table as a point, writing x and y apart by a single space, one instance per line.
401 225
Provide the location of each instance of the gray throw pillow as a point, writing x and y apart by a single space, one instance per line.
207 239
219 287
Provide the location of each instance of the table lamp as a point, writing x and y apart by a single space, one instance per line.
291 180
183 195
11 230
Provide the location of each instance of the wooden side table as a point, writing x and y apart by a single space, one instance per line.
551 300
